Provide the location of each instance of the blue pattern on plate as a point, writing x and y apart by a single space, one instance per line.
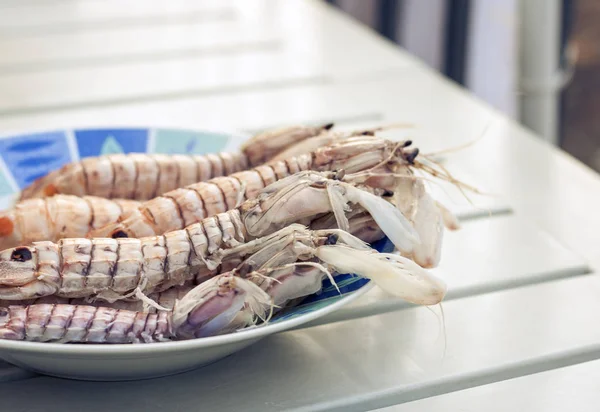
31 156
98 142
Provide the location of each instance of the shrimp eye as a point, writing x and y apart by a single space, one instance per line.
331 239
410 156
388 193
118 234
339 174
242 271
21 254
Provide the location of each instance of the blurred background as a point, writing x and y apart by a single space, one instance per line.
66 61
537 61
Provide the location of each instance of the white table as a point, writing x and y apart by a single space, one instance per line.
524 299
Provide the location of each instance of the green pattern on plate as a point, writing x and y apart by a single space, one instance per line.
188 142
111 146
5 187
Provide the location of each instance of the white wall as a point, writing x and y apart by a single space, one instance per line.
492 67
492 64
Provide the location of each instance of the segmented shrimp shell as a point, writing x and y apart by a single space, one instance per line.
114 269
137 176
142 176
60 216
184 206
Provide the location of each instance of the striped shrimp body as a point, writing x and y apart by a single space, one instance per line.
143 176
113 269
134 176
222 304
59 217
265 145
285 246
282 284
164 300
185 206
208 309
327 138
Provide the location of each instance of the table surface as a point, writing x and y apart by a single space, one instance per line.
519 326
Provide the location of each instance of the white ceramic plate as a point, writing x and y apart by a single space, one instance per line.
24 157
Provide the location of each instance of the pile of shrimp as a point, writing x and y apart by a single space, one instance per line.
141 248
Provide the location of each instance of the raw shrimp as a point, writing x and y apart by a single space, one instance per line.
185 206
362 225
222 304
326 138
206 310
265 145
144 176
427 216
164 299
380 164
57 217
137 176
113 269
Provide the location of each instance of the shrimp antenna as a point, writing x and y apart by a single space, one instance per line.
392 126
271 310
464 145
322 269
443 325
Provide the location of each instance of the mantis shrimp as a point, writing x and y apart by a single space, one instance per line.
143 176
57 217
222 304
50 218
188 205
207 309
380 164
112 269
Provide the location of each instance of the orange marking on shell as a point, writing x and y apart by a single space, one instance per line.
50 190
148 215
6 226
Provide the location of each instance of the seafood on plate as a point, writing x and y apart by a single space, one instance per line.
378 161
143 176
114 268
329 137
263 146
172 210
384 165
210 308
222 304
57 217
223 255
